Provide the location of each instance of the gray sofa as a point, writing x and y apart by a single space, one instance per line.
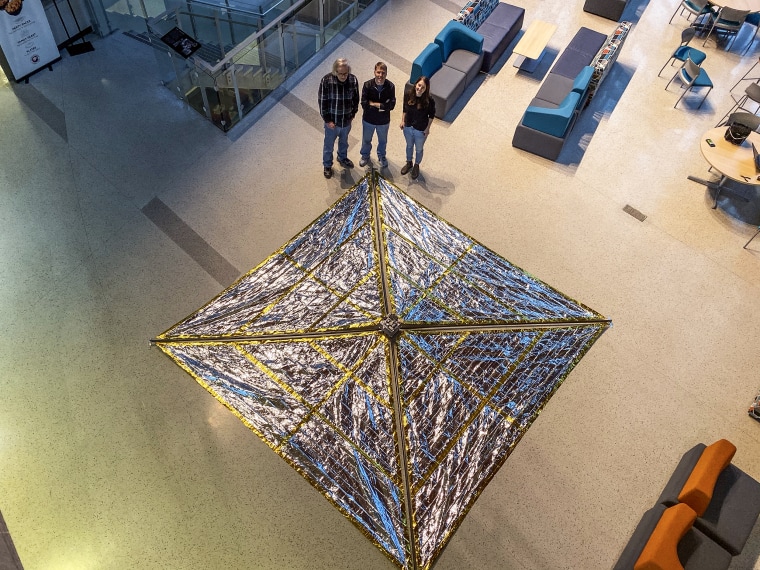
610 9
498 30
717 506
695 551
468 44
735 505
451 62
550 116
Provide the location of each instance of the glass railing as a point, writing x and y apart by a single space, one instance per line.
244 53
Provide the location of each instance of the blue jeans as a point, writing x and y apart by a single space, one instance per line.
340 133
414 140
382 139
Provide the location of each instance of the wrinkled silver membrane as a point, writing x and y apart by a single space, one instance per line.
401 433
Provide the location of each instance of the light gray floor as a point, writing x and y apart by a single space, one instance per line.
111 457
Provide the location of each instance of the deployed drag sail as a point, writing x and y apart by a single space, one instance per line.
391 359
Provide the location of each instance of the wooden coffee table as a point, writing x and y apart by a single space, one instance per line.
532 45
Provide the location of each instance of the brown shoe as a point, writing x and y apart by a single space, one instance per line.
415 171
406 168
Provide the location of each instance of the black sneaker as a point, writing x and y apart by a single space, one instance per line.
406 168
415 171
364 161
328 172
347 163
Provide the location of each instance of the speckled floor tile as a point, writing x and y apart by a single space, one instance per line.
111 457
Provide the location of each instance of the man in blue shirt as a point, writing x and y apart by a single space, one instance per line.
338 105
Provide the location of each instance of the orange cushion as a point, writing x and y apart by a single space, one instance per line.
660 551
698 490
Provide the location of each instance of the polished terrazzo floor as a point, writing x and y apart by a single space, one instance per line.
123 211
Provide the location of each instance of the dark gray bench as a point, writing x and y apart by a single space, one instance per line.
498 30
610 9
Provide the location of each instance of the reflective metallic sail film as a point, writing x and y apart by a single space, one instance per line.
390 359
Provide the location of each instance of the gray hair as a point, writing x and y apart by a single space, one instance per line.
340 62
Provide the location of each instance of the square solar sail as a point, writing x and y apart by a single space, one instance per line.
390 359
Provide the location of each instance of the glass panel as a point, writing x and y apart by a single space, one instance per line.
302 36
338 14
168 72
130 15
253 75
246 51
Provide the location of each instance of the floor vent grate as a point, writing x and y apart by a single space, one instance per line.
634 212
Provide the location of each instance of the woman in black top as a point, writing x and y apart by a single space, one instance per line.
419 110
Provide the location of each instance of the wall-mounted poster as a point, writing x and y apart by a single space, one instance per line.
26 40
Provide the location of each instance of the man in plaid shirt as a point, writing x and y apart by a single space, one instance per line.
338 104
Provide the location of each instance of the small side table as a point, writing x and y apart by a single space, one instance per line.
532 45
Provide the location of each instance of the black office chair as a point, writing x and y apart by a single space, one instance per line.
744 118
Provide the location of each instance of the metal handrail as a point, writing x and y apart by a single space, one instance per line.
236 9
246 43
243 45
247 77
202 16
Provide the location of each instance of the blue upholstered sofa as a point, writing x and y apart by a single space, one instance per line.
554 108
451 62
553 111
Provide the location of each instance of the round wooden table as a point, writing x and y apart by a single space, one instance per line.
734 162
